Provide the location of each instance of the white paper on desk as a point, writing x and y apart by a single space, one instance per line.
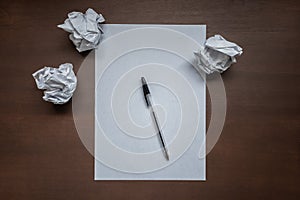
217 55
58 84
85 29
140 52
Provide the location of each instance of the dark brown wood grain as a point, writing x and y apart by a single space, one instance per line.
258 153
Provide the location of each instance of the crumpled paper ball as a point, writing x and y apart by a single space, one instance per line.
217 55
59 83
85 29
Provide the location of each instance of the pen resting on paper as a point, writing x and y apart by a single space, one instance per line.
148 100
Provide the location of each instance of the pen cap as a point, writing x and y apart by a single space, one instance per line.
145 89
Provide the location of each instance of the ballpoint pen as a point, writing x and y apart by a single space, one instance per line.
148 100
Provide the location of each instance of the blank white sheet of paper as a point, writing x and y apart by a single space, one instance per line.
126 144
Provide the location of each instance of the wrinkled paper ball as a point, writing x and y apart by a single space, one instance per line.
85 29
217 55
59 83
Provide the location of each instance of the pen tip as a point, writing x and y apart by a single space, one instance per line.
167 156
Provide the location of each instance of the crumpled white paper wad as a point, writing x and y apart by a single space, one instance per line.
59 83
85 29
217 55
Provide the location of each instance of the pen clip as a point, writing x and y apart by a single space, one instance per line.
147 101
146 91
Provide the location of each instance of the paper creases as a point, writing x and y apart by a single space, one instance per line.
59 83
217 55
85 29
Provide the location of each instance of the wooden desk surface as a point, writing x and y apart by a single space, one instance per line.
258 154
